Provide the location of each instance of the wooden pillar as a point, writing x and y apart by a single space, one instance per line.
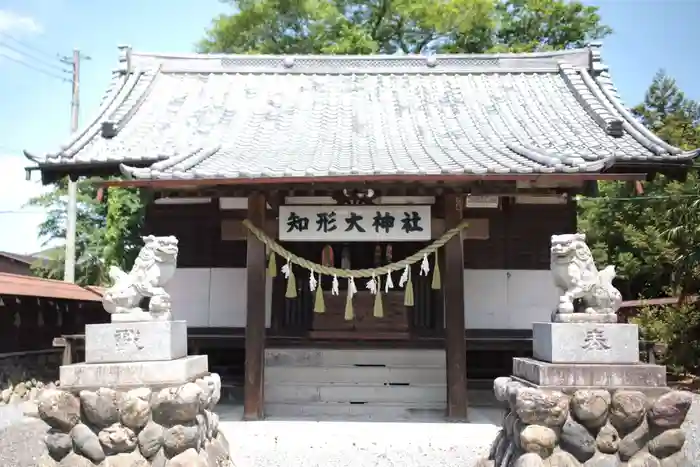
255 314
453 282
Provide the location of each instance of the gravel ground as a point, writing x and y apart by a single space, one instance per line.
692 432
22 443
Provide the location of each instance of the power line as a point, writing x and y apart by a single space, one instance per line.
37 59
29 46
35 68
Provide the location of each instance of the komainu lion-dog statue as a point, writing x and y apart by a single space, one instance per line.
585 294
153 268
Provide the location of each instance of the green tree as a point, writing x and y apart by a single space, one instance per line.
408 26
652 238
106 233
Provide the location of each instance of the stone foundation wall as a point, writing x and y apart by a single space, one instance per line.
591 428
24 375
175 426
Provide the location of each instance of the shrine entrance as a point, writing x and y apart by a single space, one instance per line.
396 322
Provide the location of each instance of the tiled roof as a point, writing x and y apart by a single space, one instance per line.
25 259
28 286
224 116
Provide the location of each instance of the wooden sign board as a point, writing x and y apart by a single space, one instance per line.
354 223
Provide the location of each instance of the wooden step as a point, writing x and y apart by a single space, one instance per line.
347 357
355 393
354 375
370 411
352 335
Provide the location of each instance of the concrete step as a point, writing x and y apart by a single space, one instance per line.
371 357
304 393
355 374
374 411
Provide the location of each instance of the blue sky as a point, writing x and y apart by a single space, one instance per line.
35 108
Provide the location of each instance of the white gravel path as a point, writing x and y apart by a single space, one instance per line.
327 444
358 444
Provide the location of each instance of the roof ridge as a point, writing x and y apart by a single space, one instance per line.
204 56
513 62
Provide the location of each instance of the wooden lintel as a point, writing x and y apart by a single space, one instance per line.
453 284
255 315
366 179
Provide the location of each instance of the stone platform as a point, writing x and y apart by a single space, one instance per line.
173 426
588 427
585 400
137 401
129 375
568 377
143 341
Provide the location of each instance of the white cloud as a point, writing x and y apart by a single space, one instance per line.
18 224
12 22
16 24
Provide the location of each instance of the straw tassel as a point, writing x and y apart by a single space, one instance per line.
319 304
291 284
271 265
408 293
378 305
436 284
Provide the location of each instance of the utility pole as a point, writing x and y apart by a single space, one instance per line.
69 265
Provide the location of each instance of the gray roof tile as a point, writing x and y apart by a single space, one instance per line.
213 117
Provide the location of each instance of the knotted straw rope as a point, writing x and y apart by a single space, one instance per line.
356 273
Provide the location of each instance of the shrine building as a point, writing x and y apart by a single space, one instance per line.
363 234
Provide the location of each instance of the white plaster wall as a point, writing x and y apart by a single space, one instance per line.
493 299
503 299
213 297
189 292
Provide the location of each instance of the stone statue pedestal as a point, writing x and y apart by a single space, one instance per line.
585 342
138 400
143 341
586 400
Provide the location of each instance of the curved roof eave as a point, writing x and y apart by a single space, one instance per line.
124 86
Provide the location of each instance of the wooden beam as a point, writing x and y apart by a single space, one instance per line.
255 312
367 179
453 283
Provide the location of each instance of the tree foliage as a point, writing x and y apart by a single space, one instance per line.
106 233
676 327
403 26
652 238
